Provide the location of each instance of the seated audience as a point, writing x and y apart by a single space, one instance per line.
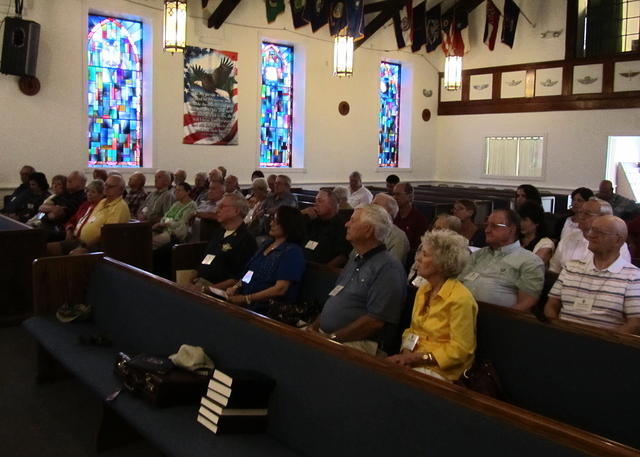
532 231
28 203
527 192
25 172
601 290
179 177
396 241
281 195
231 185
136 195
271 182
259 191
207 208
465 210
441 339
174 225
200 186
58 187
100 173
256 174
223 172
410 219
159 200
365 306
447 222
275 270
578 198
230 247
326 235
342 194
391 182
72 228
575 246
358 194
64 207
504 273
622 206
215 175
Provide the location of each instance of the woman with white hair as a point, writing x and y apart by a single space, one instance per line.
441 339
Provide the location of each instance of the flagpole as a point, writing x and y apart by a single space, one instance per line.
523 15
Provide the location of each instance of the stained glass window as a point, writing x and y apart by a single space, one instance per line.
389 116
276 109
114 50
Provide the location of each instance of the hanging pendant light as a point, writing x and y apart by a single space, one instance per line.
175 25
343 54
453 72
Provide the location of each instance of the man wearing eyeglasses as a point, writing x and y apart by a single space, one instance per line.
602 289
575 246
504 273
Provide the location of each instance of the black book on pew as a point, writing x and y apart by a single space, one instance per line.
232 424
240 389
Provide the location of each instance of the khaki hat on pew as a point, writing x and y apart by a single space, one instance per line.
192 358
69 313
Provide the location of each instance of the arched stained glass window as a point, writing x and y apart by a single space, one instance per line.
276 109
114 95
389 116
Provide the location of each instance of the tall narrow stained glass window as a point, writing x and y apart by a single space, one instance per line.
114 95
276 109
389 116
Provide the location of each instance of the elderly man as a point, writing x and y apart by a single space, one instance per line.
215 175
409 218
326 235
603 289
396 241
229 249
25 172
159 201
281 195
365 305
207 208
136 195
622 207
358 194
504 273
575 245
111 210
200 186
231 185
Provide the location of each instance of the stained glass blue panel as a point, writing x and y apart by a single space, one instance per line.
114 94
389 116
276 105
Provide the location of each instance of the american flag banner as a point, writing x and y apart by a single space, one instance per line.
210 97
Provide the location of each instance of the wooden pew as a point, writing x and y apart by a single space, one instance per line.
129 242
329 400
19 245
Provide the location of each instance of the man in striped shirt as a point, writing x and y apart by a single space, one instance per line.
601 290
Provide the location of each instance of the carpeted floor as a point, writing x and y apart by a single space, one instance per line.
57 419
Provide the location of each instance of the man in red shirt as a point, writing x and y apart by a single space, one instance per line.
409 218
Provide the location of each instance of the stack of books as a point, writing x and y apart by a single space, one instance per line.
236 402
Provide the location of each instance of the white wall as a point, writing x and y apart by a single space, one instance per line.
48 130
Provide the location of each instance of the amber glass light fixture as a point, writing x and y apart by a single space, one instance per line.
343 54
175 25
453 72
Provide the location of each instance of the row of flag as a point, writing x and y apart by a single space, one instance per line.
341 15
416 27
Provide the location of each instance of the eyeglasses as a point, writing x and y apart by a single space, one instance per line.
495 226
599 233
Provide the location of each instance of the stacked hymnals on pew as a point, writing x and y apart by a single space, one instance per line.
236 402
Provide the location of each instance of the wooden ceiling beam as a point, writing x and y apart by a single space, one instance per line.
221 13
388 10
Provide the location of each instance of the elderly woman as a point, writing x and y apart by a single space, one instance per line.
441 339
174 225
465 210
275 270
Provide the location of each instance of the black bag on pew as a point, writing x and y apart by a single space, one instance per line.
159 382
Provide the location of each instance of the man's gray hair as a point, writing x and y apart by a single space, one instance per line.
286 179
96 185
452 222
240 203
164 173
260 184
378 218
83 178
388 203
120 180
332 196
341 193
450 251
605 206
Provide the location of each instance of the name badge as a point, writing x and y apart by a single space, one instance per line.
247 277
472 276
410 341
583 304
336 290
311 245
208 259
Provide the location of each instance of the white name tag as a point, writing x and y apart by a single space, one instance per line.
311 245
336 290
208 259
583 304
247 277
410 341
472 276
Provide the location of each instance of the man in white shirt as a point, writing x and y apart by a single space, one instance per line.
358 194
575 246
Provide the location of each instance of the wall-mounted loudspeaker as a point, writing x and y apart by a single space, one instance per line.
20 47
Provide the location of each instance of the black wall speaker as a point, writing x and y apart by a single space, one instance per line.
20 47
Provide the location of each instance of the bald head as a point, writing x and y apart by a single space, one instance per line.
76 181
606 235
388 203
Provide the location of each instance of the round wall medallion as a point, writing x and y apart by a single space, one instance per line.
29 85
426 115
343 108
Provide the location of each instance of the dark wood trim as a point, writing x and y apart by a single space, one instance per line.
571 30
534 423
385 13
221 13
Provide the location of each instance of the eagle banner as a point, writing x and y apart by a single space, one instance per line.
210 96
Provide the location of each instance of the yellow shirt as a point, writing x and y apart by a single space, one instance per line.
114 212
446 327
